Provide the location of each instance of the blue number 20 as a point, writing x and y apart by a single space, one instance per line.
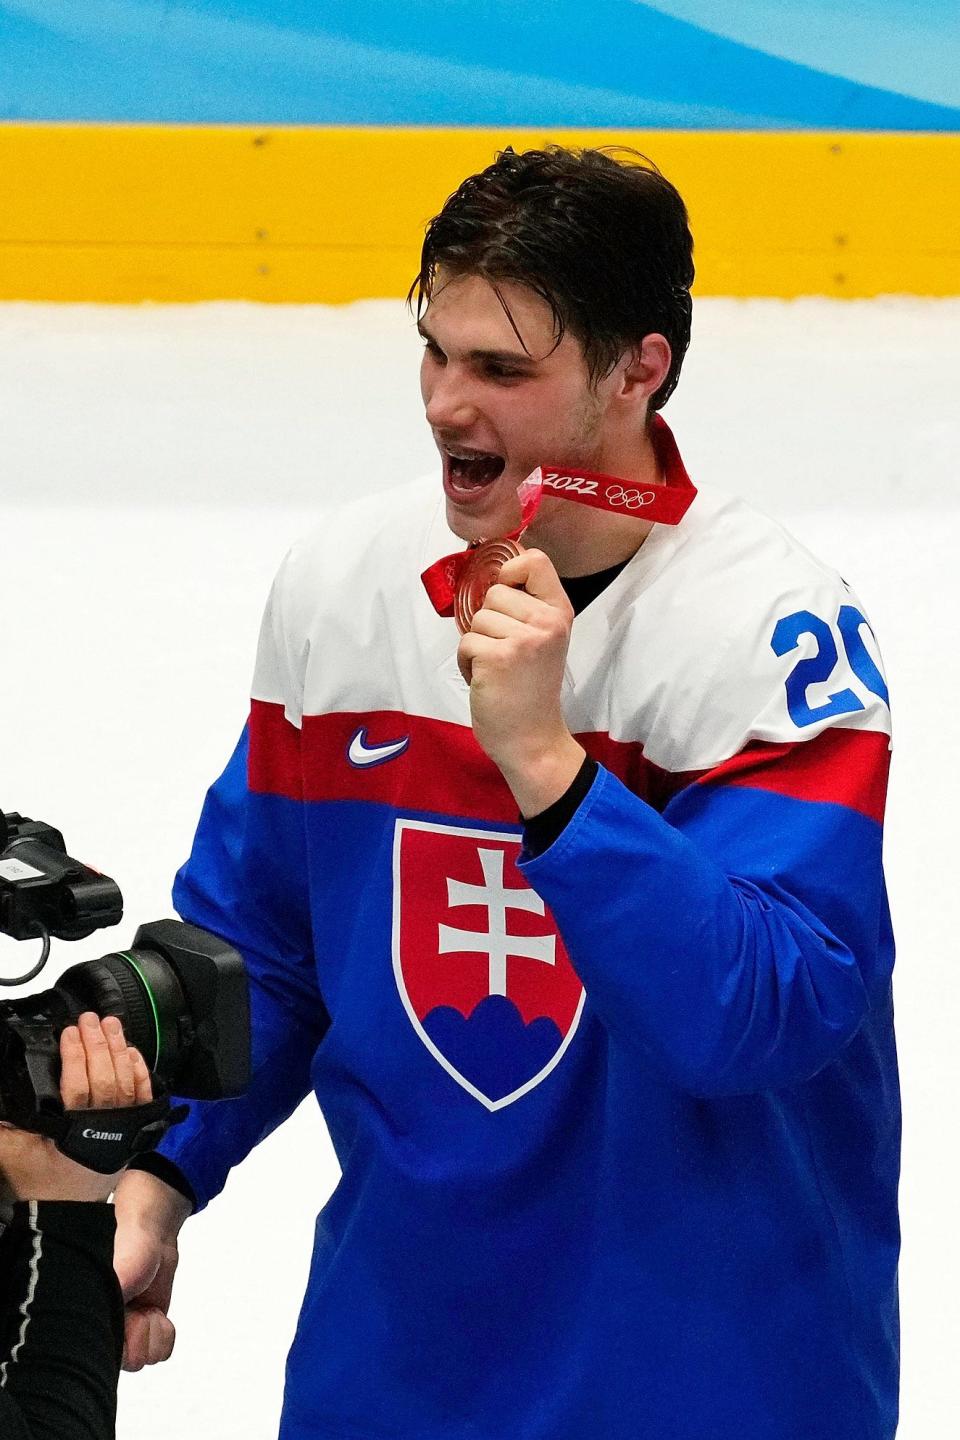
820 667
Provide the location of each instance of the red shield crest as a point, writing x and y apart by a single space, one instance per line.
480 966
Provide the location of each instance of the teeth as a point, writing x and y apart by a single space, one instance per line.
470 470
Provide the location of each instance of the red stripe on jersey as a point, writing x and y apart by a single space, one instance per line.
626 760
838 767
273 759
443 761
440 764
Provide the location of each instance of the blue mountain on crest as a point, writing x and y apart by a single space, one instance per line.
494 1049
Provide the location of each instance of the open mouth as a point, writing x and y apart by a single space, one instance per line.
470 470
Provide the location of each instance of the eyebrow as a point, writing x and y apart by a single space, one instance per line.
503 357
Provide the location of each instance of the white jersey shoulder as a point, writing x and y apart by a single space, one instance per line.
741 634
338 614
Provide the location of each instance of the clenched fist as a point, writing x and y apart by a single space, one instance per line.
513 658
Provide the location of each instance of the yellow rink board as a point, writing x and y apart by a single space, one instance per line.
317 213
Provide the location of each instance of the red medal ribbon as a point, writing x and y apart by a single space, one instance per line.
664 504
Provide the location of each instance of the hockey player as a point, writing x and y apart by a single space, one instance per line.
575 925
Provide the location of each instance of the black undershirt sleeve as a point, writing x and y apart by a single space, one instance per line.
540 831
61 1322
166 1171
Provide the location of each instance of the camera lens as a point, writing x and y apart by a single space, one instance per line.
142 990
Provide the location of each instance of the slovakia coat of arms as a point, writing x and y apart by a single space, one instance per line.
480 966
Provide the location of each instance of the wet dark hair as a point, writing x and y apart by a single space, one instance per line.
604 241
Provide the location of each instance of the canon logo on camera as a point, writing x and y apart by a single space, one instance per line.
101 1135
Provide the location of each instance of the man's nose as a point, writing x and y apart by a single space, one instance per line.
449 404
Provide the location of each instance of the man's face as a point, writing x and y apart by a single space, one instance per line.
497 412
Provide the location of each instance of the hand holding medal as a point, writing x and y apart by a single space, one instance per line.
513 659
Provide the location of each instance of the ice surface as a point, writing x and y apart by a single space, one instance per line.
155 463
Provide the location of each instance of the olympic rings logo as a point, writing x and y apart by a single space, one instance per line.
630 499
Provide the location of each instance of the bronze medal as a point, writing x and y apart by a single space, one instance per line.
481 571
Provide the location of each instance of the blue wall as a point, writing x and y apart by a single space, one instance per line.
759 64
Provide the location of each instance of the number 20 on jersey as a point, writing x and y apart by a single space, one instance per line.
818 668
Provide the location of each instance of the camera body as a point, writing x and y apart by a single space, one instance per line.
179 992
41 885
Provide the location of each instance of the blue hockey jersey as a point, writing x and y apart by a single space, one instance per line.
618 1123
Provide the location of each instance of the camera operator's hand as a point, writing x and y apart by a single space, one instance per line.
150 1215
99 1071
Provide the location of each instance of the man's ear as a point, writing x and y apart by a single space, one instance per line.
645 368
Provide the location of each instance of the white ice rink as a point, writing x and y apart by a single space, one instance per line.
155 463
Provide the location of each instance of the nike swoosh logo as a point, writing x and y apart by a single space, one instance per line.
361 754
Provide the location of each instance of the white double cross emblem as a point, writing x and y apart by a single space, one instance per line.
494 942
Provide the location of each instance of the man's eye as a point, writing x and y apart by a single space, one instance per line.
502 372
434 352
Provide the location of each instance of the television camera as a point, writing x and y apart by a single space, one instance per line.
179 992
